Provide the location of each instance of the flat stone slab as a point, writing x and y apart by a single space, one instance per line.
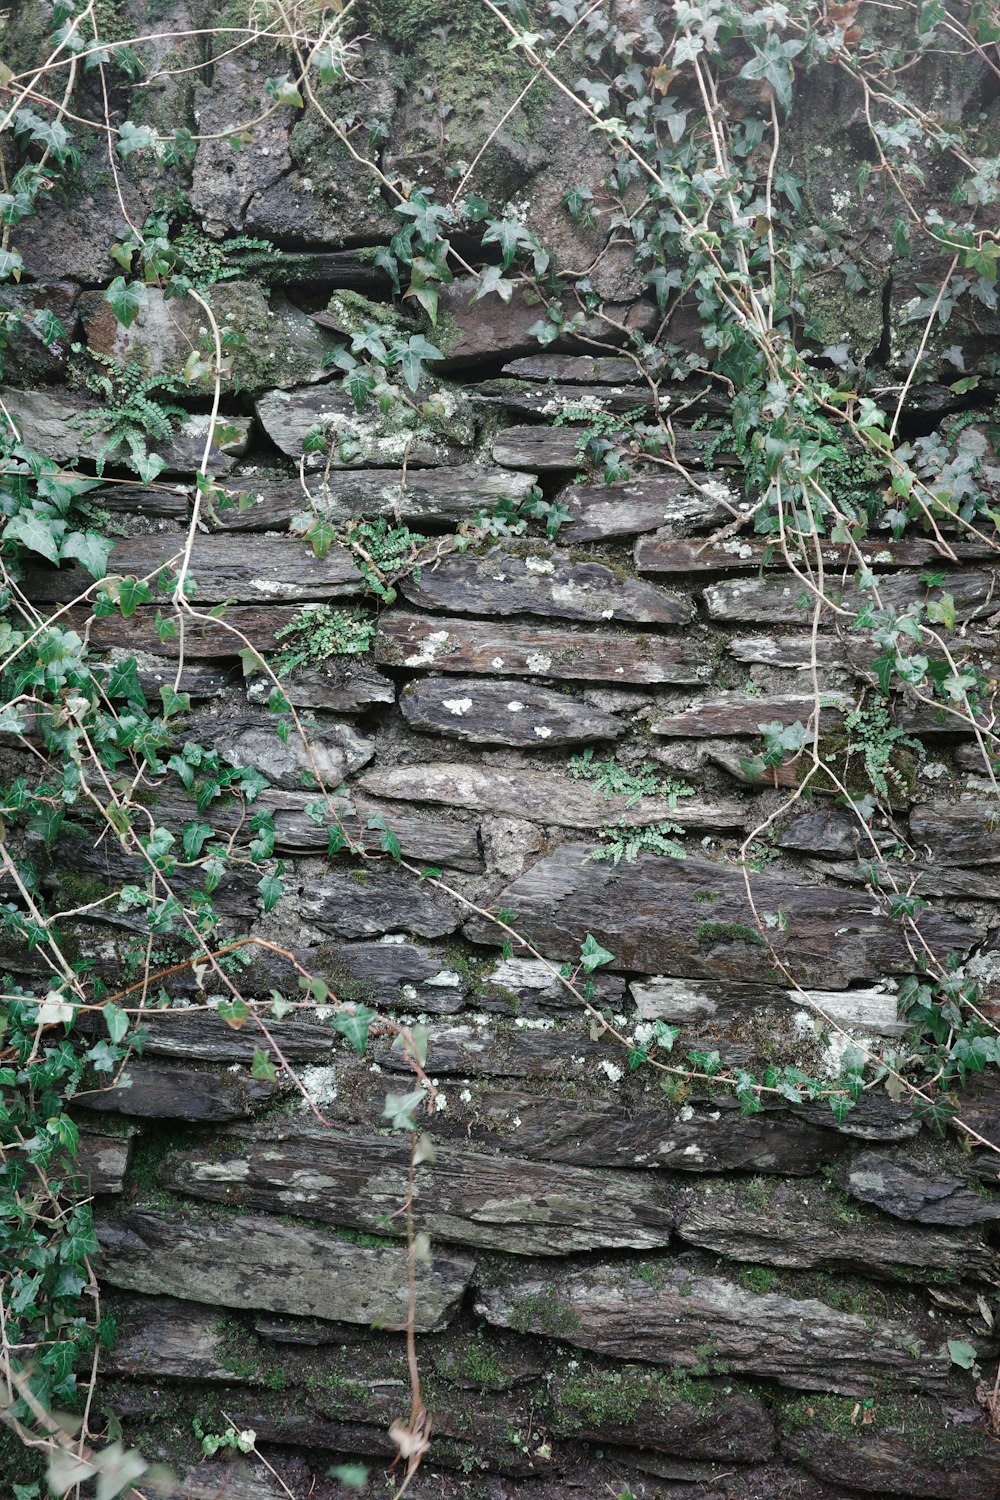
738 554
245 569
741 713
347 684
909 1188
463 1197
252 1261
816 1228
501 713
438 497
375 441
548 796
776 601
691 918
667 1318
958 833
360 902
541 580
646 503
102 1160
445 644
165 1091
250 740
548 450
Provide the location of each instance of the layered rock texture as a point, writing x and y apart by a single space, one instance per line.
625 1290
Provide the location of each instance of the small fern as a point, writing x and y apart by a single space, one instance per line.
132 412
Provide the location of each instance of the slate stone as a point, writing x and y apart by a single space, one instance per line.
725 1004
258 624
549 796
392 974
375 441
502 713
335 749
162 1091
420 497
777 600
247 569
957 832
813 1228
348 684
256 1262
201 1034
643 504
666 1318
583 369
741 554
447 644
691 918
470 330
463 1197
28 360
102 1160
281 345
164 1338
741 713
908 1188
549 450
552 399
49 419
541 580
353 902
833 831
641 1408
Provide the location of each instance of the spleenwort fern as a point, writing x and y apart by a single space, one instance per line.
133 411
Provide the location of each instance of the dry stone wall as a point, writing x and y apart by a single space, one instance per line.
624 1293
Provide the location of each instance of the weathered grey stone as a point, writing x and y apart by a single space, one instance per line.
392 974
256 625
908 1446
27 359
347 684
365 439
958 832
160 1337
280 345
668 1317
541 580
640 1407
161 1091
727 1004
500 713
245 568
908 1188
738 554
832 830
788 602
470 330
742 713
252 1261
354 902
691 918
335 749
551 449
775 1224
48 421
549 796
462 1197
580 369
643 504
445 496
552 400
102 1160
447 644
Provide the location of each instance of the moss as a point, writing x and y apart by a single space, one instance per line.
244 1355
920 1423
596 1398
19 1465
150 1151
353 311
709 933
760 1279
540 1313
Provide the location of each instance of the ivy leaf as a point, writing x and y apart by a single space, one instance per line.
283 91
39 533
510 236
126 300
194 837
772 64
134 138
411 355
592 955
492 280
263 1067
962 1354
11 265
399 1109
116 1021
131 593
90 549
272 888
355 1026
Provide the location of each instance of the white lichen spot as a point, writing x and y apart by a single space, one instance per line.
428 649
537 661
543 731
457 706
539 565
613 1071
514 706
497 663
320 1085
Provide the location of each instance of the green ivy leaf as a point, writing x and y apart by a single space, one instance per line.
593 956
116 1021
263 1067
272 888
962 1354
126 300
399 1109
354 1025
90 550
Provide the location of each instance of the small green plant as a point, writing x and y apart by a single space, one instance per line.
211 1442
625 842
132 412
615 781
872 735
192 258
319 632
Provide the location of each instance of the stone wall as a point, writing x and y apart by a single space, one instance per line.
625 1293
